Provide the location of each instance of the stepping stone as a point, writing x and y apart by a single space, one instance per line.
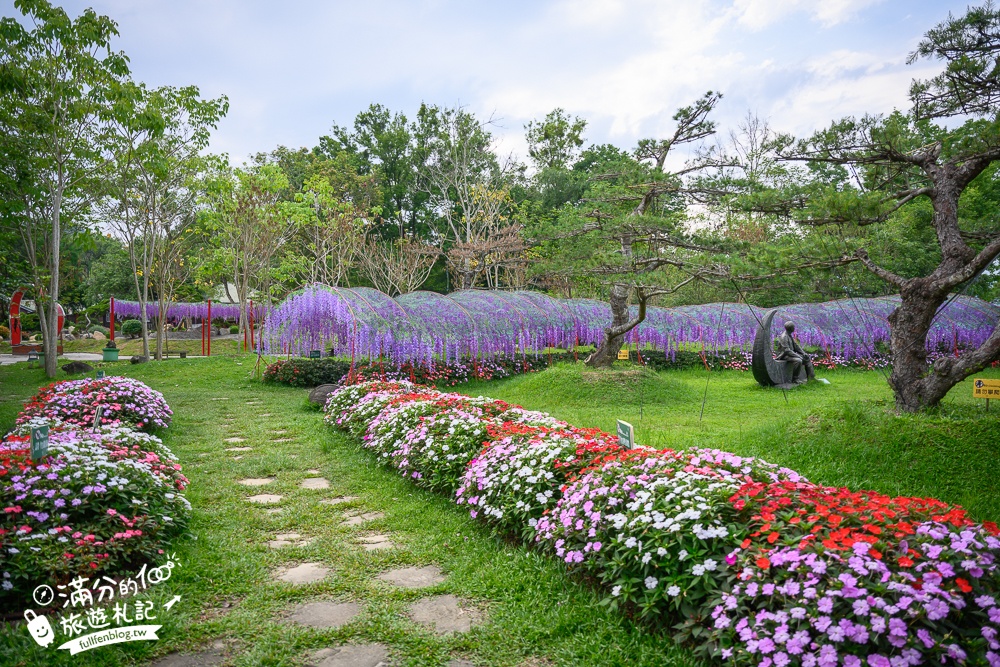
274 510
265 414
414 577
312 471
222 398
253 403
255 481
325 614
376 542
362 518
460 663
237 458
315 483
352 655
307 573
235 440
283 440
338 500
206 658
288 540
239 449
203 454
265 499
443 614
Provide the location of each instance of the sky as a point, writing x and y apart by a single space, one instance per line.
292 68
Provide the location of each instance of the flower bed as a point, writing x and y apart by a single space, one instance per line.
749 561
123 401
103 500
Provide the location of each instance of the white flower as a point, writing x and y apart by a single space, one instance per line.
616 591
651 582
630 542
698 570
710 565
682 555
646 557
674 591
661 552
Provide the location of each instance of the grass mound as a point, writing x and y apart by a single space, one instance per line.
575 384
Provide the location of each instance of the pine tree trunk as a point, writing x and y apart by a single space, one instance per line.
614 335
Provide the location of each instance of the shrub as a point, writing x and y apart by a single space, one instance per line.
234 329
4 331
307 372
94 328
131 328
124 401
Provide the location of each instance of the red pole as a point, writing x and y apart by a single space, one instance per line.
209 327
250 314
203 335
112 319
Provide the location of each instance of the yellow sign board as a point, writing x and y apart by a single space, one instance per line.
986 388
623 354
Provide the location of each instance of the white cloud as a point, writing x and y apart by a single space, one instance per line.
759 14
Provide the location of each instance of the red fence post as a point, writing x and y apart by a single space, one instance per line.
112 319
209 327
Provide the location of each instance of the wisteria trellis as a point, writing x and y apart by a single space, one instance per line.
421 326
179 311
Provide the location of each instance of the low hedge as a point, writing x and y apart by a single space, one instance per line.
747 561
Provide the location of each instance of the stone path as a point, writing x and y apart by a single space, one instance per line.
306 573
239 449
288 540
360 519
444 614
315 483
256 481
8 359
376 542
338 500
414 577
325 614
265 499
235 440
352 655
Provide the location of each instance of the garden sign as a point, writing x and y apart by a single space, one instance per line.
39 442
986 389
626 435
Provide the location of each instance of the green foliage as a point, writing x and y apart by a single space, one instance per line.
131 328
307 372
4 331
234 329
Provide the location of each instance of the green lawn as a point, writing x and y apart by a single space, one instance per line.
537 615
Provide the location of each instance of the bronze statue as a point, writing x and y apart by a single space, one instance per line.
789 351
790 368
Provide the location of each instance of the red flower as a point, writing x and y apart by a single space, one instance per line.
963 585
904 561
763 563
773 537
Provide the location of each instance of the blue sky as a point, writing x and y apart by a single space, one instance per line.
293 68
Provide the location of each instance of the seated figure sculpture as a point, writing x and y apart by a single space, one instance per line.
790 367
787 349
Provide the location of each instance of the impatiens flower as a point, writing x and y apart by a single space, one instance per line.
651 582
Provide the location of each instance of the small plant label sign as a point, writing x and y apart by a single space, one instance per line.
100 375
39 442
626 435
314 354
623 354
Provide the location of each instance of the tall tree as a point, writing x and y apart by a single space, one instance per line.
905 159
250 226
151 184
58 83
